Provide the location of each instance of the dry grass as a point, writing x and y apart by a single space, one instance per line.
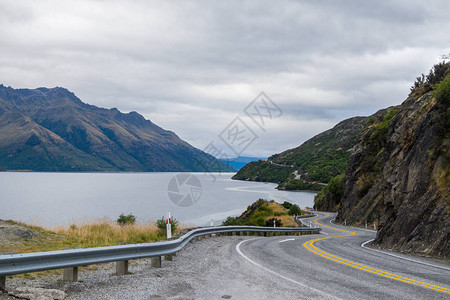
277 208
94 234
107 233
286 220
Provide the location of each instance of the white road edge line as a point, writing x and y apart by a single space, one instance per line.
401 257
391 254
277 274
286 240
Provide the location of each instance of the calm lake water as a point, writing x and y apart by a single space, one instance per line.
51 199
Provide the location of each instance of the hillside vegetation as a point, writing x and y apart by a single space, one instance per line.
264 213
317 160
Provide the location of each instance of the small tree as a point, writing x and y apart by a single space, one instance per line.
295 210
126 220
286 204
161 224
269 223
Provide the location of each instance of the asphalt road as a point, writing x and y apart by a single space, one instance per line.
336 265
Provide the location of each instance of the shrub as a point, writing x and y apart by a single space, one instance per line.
269 222
295 210
161 224
442 91
260 222
331 196
286 204
231 221
126 220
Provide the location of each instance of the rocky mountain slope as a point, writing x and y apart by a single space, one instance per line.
52 130
398 173
318 159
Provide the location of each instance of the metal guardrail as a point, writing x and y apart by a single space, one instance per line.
12 264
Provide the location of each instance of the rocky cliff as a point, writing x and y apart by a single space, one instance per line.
398 173
52 130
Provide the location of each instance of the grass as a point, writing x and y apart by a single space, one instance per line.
99 233
259 212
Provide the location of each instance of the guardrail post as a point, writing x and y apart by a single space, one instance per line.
2 283
241 233
156 261
233 233
122 267
248 233
70 274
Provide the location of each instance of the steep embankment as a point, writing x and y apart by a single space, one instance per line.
52 130
398 173
318 159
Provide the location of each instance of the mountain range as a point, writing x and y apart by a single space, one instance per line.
50 129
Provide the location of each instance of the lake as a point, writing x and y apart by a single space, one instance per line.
52 199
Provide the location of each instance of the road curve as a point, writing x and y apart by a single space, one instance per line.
337 265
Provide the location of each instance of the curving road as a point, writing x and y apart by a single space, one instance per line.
336 265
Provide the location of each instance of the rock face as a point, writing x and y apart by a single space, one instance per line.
398 176
12 231
52 130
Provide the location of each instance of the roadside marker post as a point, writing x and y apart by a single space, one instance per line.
274 224
212 222
374 226
169 227
366 224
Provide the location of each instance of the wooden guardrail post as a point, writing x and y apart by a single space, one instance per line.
122 267
70 274
168 257
156 262
2 283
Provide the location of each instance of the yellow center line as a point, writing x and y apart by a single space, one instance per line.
311 247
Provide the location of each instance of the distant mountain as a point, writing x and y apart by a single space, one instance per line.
239 162
52 130
317 160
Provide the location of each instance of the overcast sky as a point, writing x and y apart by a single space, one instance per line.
193 66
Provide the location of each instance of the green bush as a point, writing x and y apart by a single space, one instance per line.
126 220
286 204
331 196
161 224
260 222
269 223
442 91
231 221
295 210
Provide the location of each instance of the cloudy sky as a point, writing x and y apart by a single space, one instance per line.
193 66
